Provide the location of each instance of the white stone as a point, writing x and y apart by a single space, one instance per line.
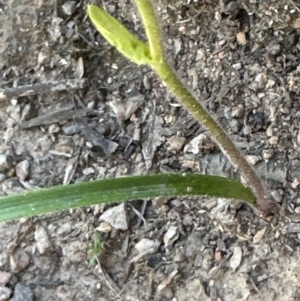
258 236
22 170
2 177
88 171
202 141
236 258
267 153
69 7
3 163
104 227
176 143
252 159
116 217
42 239
237 66
171 236
276 196
147 246
5 293
4 278
295 184
273 140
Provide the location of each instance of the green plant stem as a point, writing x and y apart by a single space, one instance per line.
59 198
166 73
152 28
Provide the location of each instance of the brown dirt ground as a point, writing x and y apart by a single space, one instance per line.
241 59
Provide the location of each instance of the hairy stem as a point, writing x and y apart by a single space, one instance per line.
166 73
152 28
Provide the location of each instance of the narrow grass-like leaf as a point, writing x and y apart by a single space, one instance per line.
119 36
117 190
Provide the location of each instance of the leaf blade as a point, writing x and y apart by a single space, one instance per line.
117 190
119 36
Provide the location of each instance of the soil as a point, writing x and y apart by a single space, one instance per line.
67 87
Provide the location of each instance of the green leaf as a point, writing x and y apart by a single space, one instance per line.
119 36
117 190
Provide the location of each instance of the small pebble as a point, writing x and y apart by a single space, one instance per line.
5 293
64 147
147 246
171 236
14 101
176 143
252 159
236 258
238 111
91 105
222 42
42 239
147 82
104 227
2 177
4 163
202 141
276 196
54 129
29 111
70 128
218 256
269 131
274 48
298 139
237 66
124 109
241 38
22 170
273 140
89 144
259 235
19 261
79 71
164 208
158 202
267 154
4 277
296 23
295 183
88 171
69 7
176 202
22 293
116 217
